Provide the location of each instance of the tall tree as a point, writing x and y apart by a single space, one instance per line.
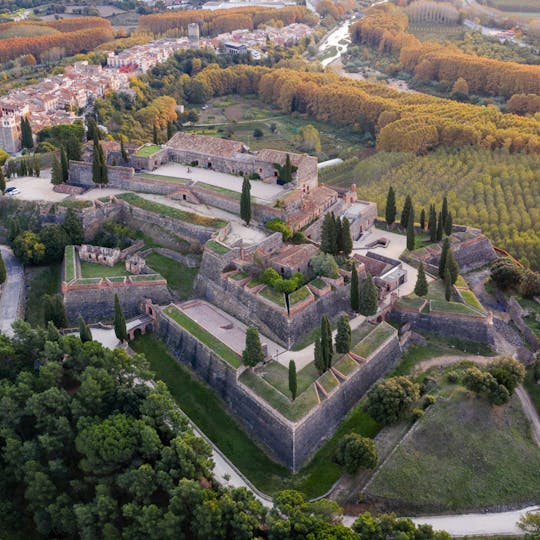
447 284
2 181
84 330
343 334
287 170
120 329
318 357
440 228
64 164
27 139
3 274
444 211
155 135
327 348
449 224
423 219
74 227
96 163
368 297
93 131
253 353
410 231
355 290
245 201
73 149
391 209
452 266
347 242
421 287
339 235
328 234
170 130
293 384
37 170
56 172
444 254
407 207
123 151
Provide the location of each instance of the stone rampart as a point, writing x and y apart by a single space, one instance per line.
516 313
290 443
450 325
80 174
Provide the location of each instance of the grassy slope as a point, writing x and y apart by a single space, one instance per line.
202 405
464 454
179 277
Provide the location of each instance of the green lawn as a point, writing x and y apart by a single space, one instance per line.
42 280
173 179
278 376
179 277
470 299
95 270
216 247
374 340
202 405
69 263
219 189
464 455
75 203
271 294
346 366
172 212
204 336
299 296
148 150
328 381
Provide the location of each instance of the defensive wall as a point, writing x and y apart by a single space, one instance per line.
290 443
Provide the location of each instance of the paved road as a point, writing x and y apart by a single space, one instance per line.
12 291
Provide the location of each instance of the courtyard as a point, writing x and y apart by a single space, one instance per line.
266 193
34 188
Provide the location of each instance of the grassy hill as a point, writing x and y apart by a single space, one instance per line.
463 454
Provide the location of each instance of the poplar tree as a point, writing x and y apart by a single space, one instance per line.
410 231
327 348
421 287
253 353
65 166
245 201
293 385
407 207
391 209
343 334
120 329
355 290
84 330
346 238
368 297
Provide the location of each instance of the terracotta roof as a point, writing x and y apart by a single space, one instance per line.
307 165
205 145
294 256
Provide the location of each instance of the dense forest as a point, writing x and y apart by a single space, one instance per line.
384 27
75 35
224 20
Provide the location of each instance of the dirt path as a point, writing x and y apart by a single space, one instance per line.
442 361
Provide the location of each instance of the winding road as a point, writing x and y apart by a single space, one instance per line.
11 296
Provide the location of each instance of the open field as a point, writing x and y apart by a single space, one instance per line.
179 277
94 270
463 454
202 405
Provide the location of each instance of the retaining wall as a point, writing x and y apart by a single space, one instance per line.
290 443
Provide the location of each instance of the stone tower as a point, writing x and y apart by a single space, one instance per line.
193 35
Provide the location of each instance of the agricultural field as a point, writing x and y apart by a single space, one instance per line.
26 30
463 454
238 117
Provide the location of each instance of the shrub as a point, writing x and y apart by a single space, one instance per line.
356 452
429 399
452 377
324 264
279 226
508 372
270 276
417 414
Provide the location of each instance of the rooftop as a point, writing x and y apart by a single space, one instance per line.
206 145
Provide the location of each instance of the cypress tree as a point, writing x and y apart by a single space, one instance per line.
93 131
421 287
288 170
328 234
65 165
449 224
343 335
410 231
391 209
56 172
3 274
155 135
423 219
293 385
27 140
52 332
444 211
368 297
355 290
84 330
447 284
444 255
440 228
59 317
2 181
245 201
346 238
123 151
253 353
170 130
29 167
452 266
339 235
327 348
96 163
318 357
104 174
407 207
120 329
37 170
